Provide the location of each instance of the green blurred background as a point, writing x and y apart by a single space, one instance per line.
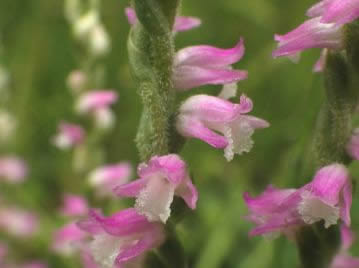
39 51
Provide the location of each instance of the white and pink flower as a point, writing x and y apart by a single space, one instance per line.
160 180
328 198
204 117
68 136
119 239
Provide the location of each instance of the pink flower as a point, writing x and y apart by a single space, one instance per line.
203 116
327 197
98 103
68 239
340 11
96 100
74 205
18 222
353 145
68 135
201 65
105 178
181 23
13 169
343 259
312 33
120 238
160 179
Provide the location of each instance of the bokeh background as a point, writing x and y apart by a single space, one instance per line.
39 51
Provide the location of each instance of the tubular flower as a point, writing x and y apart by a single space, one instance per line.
160 179
13 169
120 238
105 178
18 222
340 11
312 33
343 259
181 23
74 205
202 116
68 136
201 65
98 103
327 197
68 239
353 145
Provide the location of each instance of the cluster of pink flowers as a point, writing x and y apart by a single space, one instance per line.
324 29
18 222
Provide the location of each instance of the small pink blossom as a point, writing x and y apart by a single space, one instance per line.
312 33
327 197
18 222
68 239
68 135
181 23
121 238
201 65
343 259
160 179
105 178
97 103
12 169
74 205
96 100
203 116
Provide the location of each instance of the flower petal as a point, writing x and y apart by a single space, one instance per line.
208 56
190 127
186 77
131 189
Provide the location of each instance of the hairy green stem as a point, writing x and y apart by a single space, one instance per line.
151 52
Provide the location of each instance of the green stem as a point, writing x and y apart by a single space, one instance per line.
151 52
316 244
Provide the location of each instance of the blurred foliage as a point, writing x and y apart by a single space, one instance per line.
39 52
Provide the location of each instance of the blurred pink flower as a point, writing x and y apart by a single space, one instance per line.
68 135
18 222
160 179
12 169
97 103
327 197
203 116
120 238
181 23
68 239
74 205
105 178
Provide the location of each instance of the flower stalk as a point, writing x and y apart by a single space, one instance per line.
317 246
151 52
